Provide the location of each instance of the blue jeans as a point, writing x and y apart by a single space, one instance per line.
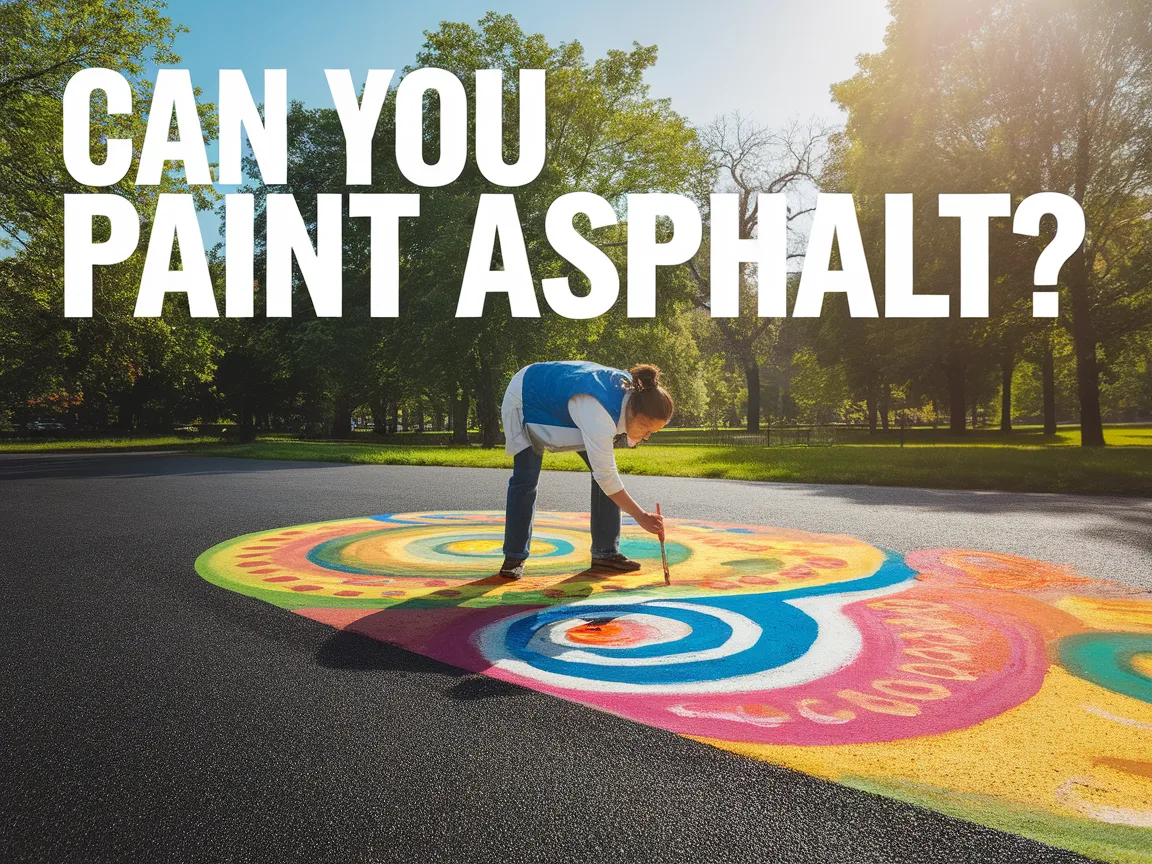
521 509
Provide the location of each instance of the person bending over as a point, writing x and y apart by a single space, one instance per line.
575 405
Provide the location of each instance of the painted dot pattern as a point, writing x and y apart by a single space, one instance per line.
1012 692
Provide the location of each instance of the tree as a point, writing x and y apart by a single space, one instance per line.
752 160
1026 96
110 364
604 135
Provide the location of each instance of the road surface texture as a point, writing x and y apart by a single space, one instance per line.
148 715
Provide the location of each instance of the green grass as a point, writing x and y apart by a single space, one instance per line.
1066 436
1024 461
1116 470
124 442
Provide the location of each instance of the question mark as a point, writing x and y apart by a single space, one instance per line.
1069 235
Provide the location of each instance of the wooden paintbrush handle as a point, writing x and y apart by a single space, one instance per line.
663 553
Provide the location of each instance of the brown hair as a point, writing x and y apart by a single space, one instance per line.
649 399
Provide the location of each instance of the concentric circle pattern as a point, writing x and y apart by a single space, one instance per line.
428 558
1010 691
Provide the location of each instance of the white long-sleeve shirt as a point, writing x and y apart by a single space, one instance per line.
594 432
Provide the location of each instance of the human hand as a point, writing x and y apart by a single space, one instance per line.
653 523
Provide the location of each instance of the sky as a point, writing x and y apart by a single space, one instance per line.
769 59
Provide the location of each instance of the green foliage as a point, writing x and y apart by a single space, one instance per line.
1018 96
964 97
112 366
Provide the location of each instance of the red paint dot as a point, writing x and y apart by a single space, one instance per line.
307 588
446 593
391 593
247 564
265 570
799 571
757 580
433 583
825 563
718 585
348 593
282 579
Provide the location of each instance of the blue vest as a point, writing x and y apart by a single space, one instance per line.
549 386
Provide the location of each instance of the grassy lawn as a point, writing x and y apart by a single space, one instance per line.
1024 461
123 442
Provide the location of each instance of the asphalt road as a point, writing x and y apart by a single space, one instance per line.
147 715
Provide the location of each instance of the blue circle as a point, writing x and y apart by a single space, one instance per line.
788 633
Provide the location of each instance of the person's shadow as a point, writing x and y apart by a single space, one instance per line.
352 650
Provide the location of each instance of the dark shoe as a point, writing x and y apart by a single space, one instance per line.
616 563
512 568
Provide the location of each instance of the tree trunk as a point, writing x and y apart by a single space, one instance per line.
752 378
975 415
1083 333
1007 363
342 419
786 409
486 403
126 412
957 387
247 426
787 403
1048 376
1087 371
870 404
379 417
885 406
460 417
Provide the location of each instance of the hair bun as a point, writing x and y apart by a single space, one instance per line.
645 376
649 399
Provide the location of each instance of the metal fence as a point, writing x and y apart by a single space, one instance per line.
768 436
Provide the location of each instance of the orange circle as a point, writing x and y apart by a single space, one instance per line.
611 633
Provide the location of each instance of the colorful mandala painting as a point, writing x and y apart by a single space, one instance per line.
998 689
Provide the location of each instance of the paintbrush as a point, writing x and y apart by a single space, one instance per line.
663 553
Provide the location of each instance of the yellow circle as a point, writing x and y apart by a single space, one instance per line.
473 547
1142 663
491 547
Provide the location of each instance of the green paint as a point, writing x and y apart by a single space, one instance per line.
1117 843
1105 659
649 547
755 566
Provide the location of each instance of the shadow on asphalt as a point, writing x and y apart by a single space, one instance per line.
483 687
1135 530
345 649
980 501
354 651
139 464
1129 520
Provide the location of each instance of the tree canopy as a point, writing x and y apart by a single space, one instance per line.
1015 96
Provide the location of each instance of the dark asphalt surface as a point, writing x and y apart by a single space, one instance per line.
148 716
